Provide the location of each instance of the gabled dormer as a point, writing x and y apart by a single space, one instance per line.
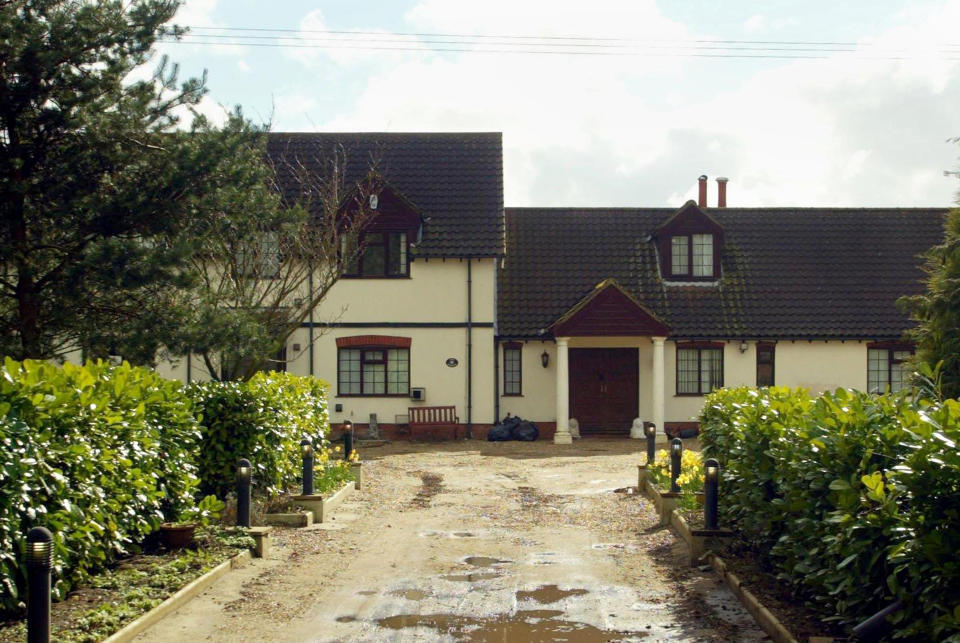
689 245
387 238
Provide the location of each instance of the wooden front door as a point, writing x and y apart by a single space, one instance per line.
604 387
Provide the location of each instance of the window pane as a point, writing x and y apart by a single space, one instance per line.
713 356
348 251
877 370
374 260
349 372
374 379
398 371
765 365
511 371
678 256
703 255
398 253
688 380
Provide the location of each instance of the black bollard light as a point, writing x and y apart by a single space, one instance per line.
711 485
676 454
307 450
650 430
244 480
39 562
347 439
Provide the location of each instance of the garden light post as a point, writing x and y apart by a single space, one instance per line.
711 483
676 453
347 439
244 473
39 562
307 450
650 430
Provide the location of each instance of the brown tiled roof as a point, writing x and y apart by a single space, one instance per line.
454 180
802 273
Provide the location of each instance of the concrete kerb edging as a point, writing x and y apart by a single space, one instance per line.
697 544
322 506
764 618
177 600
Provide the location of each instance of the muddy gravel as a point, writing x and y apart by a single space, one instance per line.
472 541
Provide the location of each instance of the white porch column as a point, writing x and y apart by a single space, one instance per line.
562 436
658 394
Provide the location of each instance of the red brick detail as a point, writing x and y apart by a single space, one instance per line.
373 340
673 428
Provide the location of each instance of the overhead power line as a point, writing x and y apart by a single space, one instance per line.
547 45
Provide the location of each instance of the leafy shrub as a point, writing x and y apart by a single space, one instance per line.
262 420
98 454
851 496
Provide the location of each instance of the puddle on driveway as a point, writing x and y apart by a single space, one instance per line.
484 561
533 625
470 578
411 594
549 594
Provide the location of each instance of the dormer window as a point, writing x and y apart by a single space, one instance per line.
382 254
691 255
690 244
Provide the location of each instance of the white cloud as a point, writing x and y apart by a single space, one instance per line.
755 23
638 130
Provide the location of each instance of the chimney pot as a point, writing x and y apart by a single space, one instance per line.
722 191
702 198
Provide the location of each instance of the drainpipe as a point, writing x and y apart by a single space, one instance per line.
469 349
310 327
496 353
188 368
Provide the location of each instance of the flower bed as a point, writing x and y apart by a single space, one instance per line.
109 600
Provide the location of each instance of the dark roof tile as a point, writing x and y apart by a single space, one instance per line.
454 180
787 272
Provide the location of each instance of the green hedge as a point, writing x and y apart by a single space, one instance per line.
854 498
262 420
98 454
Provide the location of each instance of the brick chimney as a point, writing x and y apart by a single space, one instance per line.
702 199
722 191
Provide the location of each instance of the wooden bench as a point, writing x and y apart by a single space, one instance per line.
433 417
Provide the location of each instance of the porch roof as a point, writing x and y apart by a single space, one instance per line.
606 311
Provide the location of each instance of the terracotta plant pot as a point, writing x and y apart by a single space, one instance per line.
176 535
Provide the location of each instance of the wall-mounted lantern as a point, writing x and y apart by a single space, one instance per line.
545 358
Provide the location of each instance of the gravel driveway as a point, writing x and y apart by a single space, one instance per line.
478 542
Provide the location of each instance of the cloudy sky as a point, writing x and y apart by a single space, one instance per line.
616 102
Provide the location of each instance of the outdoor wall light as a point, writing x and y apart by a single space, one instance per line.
711 484
244 481
743 346
545 358
676 453
39 562
307 449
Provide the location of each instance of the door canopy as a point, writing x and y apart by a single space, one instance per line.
609 310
